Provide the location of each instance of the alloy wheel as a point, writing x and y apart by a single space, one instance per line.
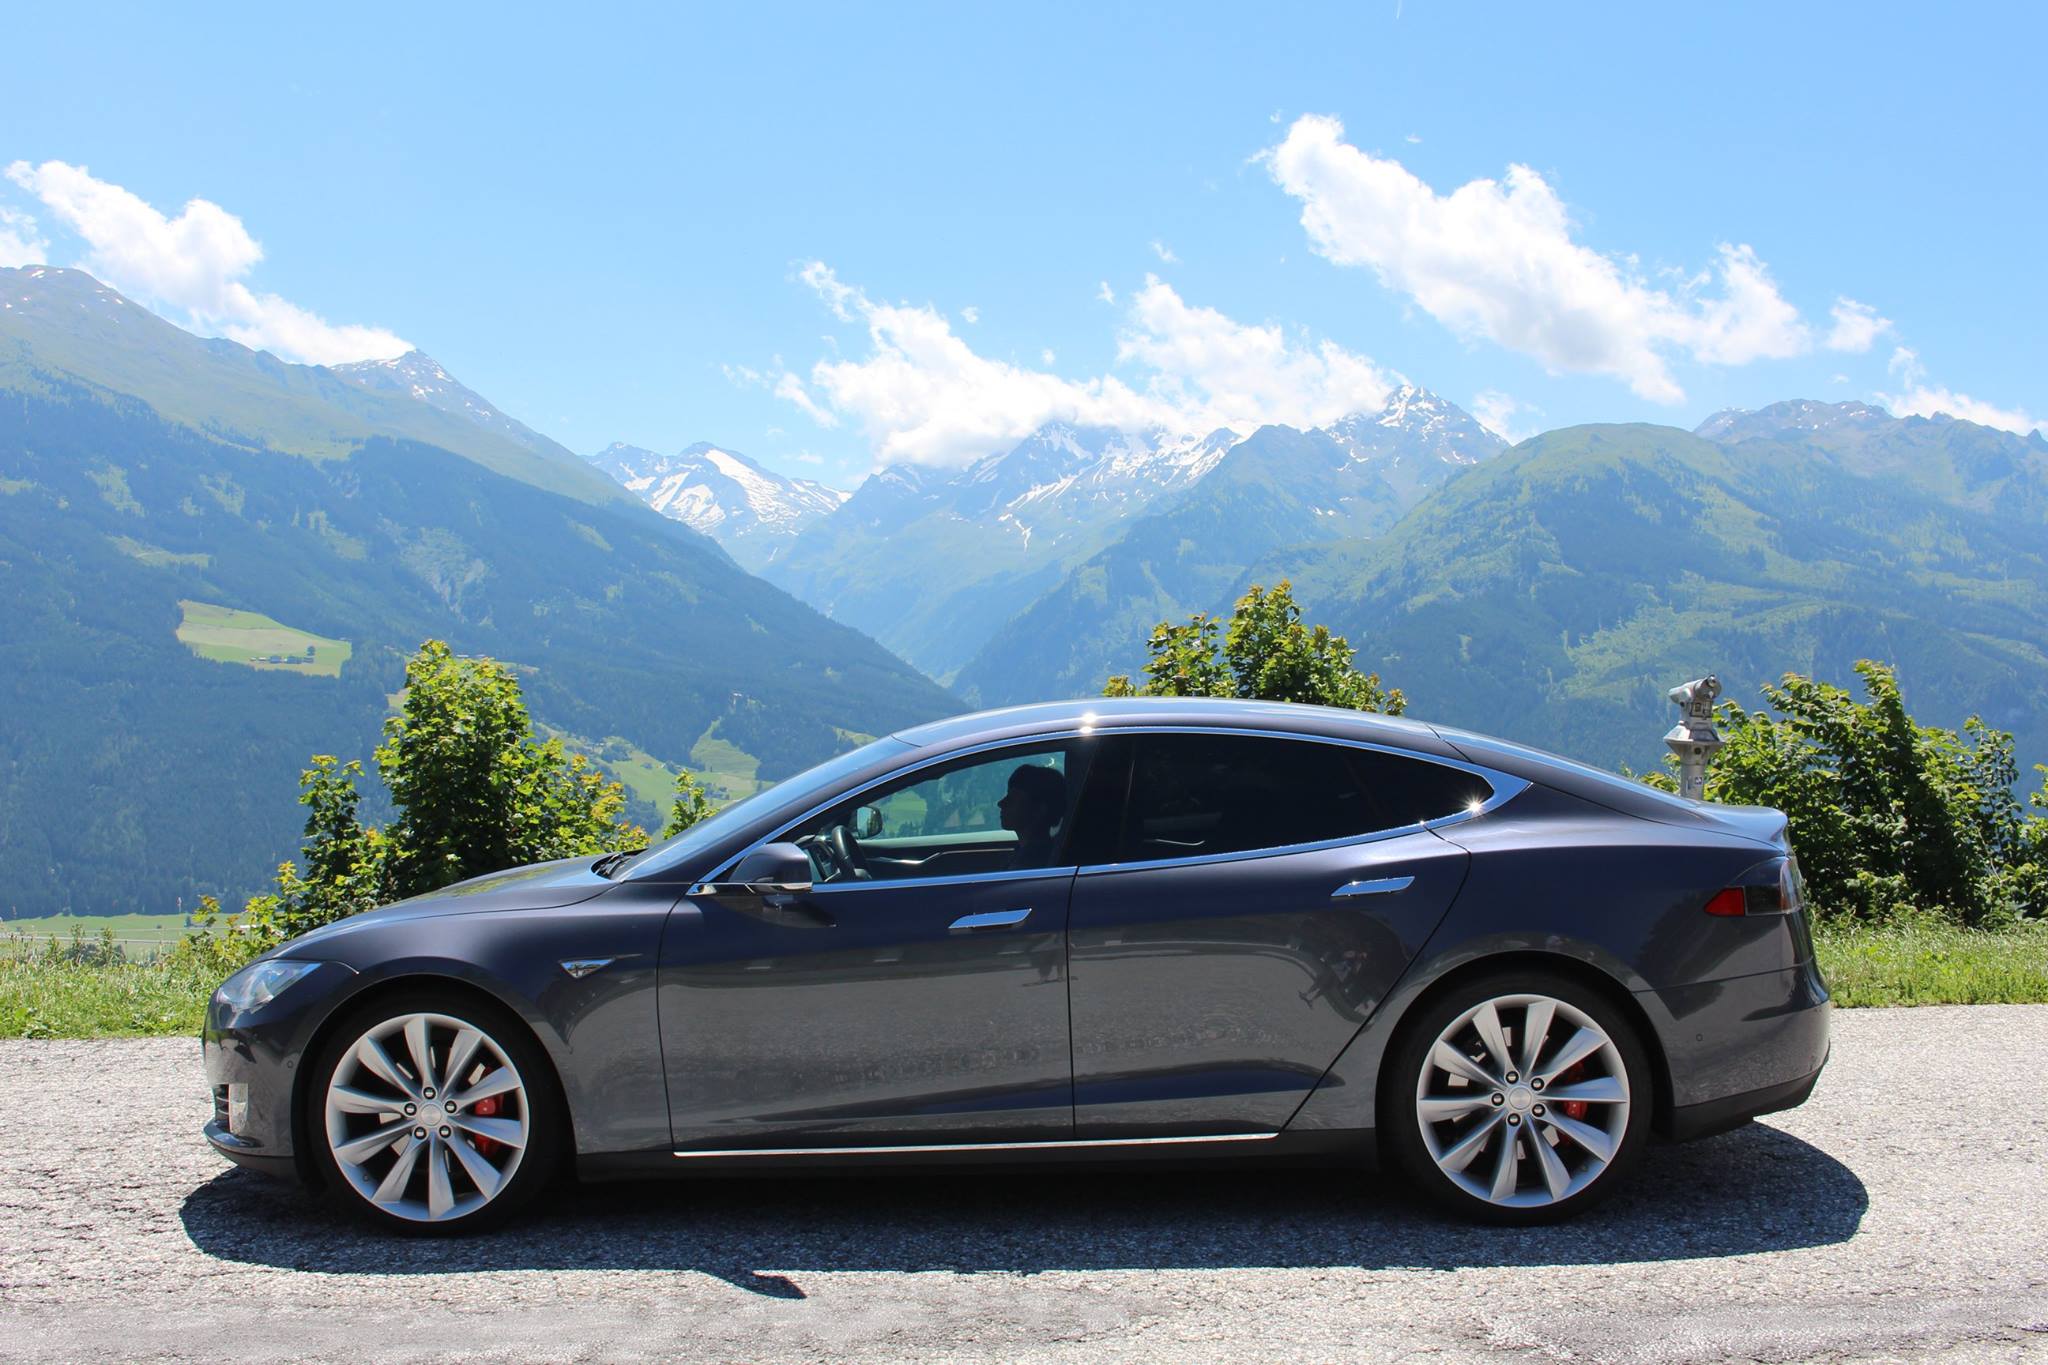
1523 1101
427 1117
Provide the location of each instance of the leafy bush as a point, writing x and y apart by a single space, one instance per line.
1890 817
474 792
1267 653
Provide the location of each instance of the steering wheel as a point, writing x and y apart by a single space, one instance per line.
846 852
836 853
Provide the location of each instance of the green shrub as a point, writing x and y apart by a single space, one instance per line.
1890 817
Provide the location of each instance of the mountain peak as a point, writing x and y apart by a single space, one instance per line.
1795 417
753 512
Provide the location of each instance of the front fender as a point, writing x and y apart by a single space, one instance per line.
600 1031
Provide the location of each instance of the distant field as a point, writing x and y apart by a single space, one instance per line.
253 640
136 933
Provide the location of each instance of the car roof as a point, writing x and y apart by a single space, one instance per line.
1609 790
1141 713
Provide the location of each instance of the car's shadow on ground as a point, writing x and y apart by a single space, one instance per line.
1756 1189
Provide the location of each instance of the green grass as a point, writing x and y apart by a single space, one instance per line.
1934 964
74 991
253 640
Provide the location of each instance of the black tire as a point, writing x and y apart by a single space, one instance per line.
544 1112
1401 1127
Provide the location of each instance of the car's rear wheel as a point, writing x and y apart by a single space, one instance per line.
431 1113
1518 1097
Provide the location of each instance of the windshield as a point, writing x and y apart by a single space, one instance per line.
794 791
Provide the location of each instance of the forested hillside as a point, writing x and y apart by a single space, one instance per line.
133 771
1552 594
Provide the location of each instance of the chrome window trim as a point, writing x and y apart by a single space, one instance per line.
1505 786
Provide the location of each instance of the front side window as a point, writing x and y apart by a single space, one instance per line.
1001 812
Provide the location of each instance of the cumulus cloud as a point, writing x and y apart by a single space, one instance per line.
1857 326
194 262
921 394
19 244
1917 397
1497 260
1502 415
970 314
1105 293
1164 252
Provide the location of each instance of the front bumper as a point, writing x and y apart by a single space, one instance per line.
262 1049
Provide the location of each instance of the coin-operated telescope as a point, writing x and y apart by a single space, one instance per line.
1694 739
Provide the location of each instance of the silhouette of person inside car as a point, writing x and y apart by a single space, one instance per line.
1035 802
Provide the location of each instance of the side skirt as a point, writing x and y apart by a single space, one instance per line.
1327 1146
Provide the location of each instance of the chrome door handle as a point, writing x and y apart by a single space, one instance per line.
1379 887
992 919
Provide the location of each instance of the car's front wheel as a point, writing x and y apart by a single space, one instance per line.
1518 1097
431 1114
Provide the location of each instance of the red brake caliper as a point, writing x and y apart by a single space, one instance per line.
1571 1109
488 1108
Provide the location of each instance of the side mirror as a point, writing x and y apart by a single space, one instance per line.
770 870
867 822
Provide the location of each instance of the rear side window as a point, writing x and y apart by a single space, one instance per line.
1408 791
1194 794
1198 794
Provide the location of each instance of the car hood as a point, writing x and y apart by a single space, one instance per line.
540 886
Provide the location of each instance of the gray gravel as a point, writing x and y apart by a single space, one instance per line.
1902 1214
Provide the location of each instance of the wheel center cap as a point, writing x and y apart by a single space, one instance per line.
1521 1097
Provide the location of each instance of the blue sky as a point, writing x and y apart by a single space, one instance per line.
823 237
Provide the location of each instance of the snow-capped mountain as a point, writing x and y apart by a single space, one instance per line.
932 562
753 512
1416 441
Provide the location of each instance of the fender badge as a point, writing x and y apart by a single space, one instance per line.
580 967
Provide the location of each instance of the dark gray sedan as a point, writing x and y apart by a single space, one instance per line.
1084 931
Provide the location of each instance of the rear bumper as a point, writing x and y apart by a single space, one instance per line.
1732 1111
1741 1047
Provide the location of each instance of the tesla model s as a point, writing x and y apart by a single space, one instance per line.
1108 930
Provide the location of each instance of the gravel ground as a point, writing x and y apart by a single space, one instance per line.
1901 1214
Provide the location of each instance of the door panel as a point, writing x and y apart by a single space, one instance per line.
1211 997
882 1022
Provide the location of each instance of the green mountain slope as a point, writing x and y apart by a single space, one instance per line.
137 767
1276 488
65 323
1553 594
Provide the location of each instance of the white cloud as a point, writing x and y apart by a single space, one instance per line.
1496 259
1413 139
19 244
922 394
970 314
194 263
1046 357
1105 293
1918 398
1164 252
1504 416
1857 326
791 389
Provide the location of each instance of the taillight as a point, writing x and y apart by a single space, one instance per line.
1771 888
1728 901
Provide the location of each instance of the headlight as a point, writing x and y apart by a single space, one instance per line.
260 983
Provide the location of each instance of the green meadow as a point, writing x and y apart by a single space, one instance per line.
230 636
